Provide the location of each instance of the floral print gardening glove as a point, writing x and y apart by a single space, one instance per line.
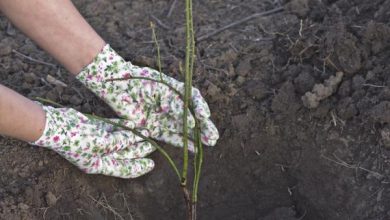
95 146
146 104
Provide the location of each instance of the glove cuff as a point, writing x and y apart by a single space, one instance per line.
47 139
105 66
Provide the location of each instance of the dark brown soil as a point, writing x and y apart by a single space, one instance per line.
276 159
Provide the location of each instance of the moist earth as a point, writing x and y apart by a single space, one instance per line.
276 159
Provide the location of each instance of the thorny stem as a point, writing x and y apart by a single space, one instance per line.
139 134
198 160
190 54
189 68
187 87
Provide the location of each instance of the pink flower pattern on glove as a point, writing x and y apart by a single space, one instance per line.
94 146
146 104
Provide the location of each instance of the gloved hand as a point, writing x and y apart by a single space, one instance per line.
94 146
144 103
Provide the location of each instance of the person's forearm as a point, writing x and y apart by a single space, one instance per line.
58 28
20 117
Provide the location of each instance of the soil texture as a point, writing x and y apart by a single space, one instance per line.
276 159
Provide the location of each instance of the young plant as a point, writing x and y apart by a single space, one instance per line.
191 200
191 197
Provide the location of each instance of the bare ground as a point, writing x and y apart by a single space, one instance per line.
276 159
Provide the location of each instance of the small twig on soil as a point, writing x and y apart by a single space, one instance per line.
78 92
33 60
241 21
335 119
154 37
206 66
375 193
55 81
234 48
300 28
104 204
328 60
358 26
44 212
150 41
303 215
127 206
159 22
277 33
171 8
82 211
345 164
372 85
4 66
306 48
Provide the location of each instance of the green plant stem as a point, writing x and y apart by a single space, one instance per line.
198 161
49 101
187 85
154 36
139 134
